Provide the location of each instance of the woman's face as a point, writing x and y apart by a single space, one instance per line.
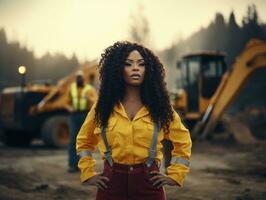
134 69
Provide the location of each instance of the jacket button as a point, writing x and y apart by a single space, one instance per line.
131 168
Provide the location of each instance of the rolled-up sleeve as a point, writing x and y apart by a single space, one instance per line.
180 137
85 145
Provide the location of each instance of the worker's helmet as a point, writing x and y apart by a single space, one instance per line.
80 73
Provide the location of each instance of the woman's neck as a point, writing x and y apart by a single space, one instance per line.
132 94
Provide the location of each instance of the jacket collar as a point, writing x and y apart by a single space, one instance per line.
119 108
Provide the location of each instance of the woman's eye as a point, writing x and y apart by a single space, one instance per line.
142 64
127 64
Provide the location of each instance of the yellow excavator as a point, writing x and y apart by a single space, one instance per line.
213 98
40 110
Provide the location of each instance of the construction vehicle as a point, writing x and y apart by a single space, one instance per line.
213 98
40 111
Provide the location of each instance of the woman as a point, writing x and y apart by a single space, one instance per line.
130 119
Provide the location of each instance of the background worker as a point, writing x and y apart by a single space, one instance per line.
82 95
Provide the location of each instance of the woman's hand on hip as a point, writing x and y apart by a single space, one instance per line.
159 179
98 180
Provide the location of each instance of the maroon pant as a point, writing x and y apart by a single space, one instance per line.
130 182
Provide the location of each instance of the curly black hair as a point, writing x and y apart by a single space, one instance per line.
154 94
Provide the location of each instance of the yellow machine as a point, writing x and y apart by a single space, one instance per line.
57 99
201 74
40 111
211 94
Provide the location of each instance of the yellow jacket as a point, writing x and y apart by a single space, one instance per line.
130 142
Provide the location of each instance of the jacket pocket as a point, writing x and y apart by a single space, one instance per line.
110 132
145 124
144 132
111 124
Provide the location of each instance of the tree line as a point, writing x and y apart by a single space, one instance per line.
48 68
219 35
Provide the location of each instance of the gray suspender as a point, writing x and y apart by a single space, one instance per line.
152 152
108 152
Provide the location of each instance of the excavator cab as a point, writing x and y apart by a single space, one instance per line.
201 74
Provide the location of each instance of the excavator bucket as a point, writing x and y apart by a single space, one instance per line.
246 116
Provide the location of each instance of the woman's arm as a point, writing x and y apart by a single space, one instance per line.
180 138
86 144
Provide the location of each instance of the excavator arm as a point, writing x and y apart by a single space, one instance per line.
58 98
240 94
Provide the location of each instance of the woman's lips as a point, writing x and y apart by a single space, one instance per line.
135 76
138 75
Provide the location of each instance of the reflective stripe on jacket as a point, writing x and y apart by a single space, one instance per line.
79 103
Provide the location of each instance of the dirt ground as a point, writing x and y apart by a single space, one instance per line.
218 171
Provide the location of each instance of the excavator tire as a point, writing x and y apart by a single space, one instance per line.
56 131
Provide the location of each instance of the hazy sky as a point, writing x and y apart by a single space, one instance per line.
86 27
